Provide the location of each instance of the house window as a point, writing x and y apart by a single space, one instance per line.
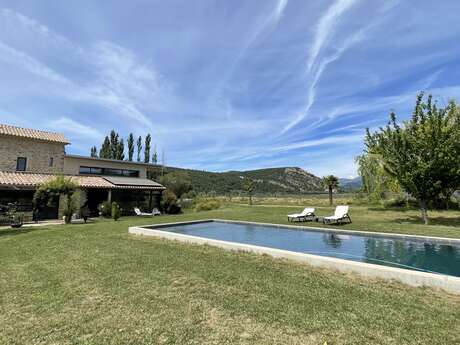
21 164
51 162
84 170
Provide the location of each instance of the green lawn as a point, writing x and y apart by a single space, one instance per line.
96 284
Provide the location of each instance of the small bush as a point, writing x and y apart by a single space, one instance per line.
169 203
207 205
116 211
105 209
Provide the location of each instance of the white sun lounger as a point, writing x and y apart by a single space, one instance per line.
307 214
340 215
138 212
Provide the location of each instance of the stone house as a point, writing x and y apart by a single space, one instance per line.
29 157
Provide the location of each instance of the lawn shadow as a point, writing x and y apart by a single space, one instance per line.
13 232
393 209
445 221
5 232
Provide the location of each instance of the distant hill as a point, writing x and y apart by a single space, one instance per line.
288 180
350 184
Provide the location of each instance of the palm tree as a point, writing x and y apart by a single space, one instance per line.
330 182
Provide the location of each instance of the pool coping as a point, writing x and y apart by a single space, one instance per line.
413 278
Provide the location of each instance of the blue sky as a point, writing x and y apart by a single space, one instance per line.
226 85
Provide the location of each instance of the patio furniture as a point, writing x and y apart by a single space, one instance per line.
340 215
307 214
155 212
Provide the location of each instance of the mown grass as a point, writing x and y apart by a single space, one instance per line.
96 284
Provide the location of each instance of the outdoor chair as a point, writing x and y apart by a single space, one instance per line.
155 212
340 215
307 214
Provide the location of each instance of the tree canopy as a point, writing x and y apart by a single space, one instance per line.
375 179
422 154
177 182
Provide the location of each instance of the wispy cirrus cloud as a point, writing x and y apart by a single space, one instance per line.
279 9
217 84
66 124
325 29
316 66
27 63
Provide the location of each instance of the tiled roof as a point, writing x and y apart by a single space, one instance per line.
22 179
33 134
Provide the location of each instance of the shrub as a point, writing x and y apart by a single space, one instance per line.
105 209
207 205
169 203
116 211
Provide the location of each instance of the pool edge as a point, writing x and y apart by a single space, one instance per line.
413 278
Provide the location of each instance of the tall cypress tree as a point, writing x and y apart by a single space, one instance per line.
139 148
114 138
121 150
94 152
130 147
155 155
148 139
105 151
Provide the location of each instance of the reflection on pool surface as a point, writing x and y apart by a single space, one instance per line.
388 251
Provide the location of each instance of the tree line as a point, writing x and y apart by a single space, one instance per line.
113 147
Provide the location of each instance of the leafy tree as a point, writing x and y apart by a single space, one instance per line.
139 148
130 147
422 154
120 151
105 151
148 139
49 193
114 137
177 182
94 151
249 186
376 180
169 203
330 182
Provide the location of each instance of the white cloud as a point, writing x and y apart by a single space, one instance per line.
325 29
18 58
67 125
279 9
315 67
311 92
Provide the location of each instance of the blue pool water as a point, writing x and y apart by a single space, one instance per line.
388 251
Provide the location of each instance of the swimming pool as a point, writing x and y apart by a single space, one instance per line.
433 257
413 260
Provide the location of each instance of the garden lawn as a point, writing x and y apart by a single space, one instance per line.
97 284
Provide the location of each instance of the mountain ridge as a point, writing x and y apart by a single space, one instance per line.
283 180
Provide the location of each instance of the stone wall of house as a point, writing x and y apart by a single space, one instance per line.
37 152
